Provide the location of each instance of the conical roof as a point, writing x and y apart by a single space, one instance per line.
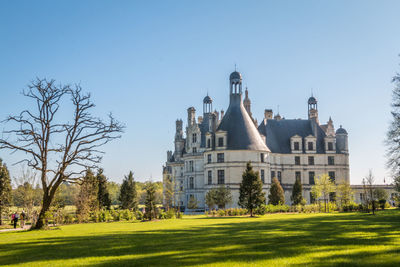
242 133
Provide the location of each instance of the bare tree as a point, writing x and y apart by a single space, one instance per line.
368 183
57 150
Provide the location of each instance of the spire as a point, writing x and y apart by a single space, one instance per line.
247 102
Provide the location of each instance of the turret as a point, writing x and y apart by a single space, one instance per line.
342 144
313 109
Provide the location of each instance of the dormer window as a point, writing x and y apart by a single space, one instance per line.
330 146
208 143
296 146
220 141
310 145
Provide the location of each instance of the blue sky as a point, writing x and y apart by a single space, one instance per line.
148 61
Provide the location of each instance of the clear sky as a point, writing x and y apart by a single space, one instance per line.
148 61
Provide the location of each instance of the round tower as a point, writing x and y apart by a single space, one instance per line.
342 144
207 105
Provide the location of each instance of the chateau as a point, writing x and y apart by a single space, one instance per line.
215 148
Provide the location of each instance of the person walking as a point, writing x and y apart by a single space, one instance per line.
16 217
22 218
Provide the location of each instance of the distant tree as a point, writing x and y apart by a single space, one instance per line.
344 193
297 193
393 135
58 149
150 203
211 198
128 195
5 188
103 196
87 201
220 196
381 195
114 190
323 187
276 194
368 182
251 195
169 192
192 203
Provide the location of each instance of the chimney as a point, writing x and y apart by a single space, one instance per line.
268 114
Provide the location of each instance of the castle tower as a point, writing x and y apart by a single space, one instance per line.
313 109
207 105
342 144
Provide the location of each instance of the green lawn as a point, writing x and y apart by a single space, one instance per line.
352 239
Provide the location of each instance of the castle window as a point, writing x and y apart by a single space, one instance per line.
310 146
331 160
220 157
262 157
195 150
297 160
191 182
209 177
310 160
209 158
330 146
208 143
263 176
298 176
332 176
296 146
311 177
272 174
221 177
280 177
191 167
194 138
220 141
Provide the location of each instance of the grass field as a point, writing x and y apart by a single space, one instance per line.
352 239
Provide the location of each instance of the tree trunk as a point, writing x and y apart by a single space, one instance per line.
1 213
46 205
251 212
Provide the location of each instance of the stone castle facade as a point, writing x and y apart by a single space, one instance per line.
215 148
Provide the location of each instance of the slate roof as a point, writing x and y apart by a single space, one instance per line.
279 132
242 133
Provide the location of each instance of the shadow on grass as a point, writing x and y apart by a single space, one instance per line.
219 242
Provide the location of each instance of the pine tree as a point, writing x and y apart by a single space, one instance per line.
251 194
128 194
297 196
103 196
150 201
393 135
5 188
276 194
87 201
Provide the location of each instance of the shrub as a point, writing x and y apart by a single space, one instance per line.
179 215
69 218
221 212
126 215
261 210
139 215
382 203
171 214
162 215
